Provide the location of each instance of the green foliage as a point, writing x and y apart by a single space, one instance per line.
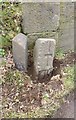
10 24
2 52
59 54
4 42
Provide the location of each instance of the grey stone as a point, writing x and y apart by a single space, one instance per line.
43 55
40 17
33 37
20 53
66 39
66 33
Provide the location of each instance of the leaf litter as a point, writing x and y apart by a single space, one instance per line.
20 94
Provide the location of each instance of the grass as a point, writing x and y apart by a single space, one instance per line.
70 70
69 80
16 77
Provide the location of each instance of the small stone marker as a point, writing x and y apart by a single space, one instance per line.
20 53
43 55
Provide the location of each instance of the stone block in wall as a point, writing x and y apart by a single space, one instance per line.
40 17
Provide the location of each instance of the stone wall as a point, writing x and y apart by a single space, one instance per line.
51 20
66 33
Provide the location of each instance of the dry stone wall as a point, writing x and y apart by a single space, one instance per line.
40 17
40 20
49 20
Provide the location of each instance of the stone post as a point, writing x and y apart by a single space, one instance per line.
20 51
43 55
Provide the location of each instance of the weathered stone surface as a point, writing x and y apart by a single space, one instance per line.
20 54
40 17
33 37
43 55
66 33
66 39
